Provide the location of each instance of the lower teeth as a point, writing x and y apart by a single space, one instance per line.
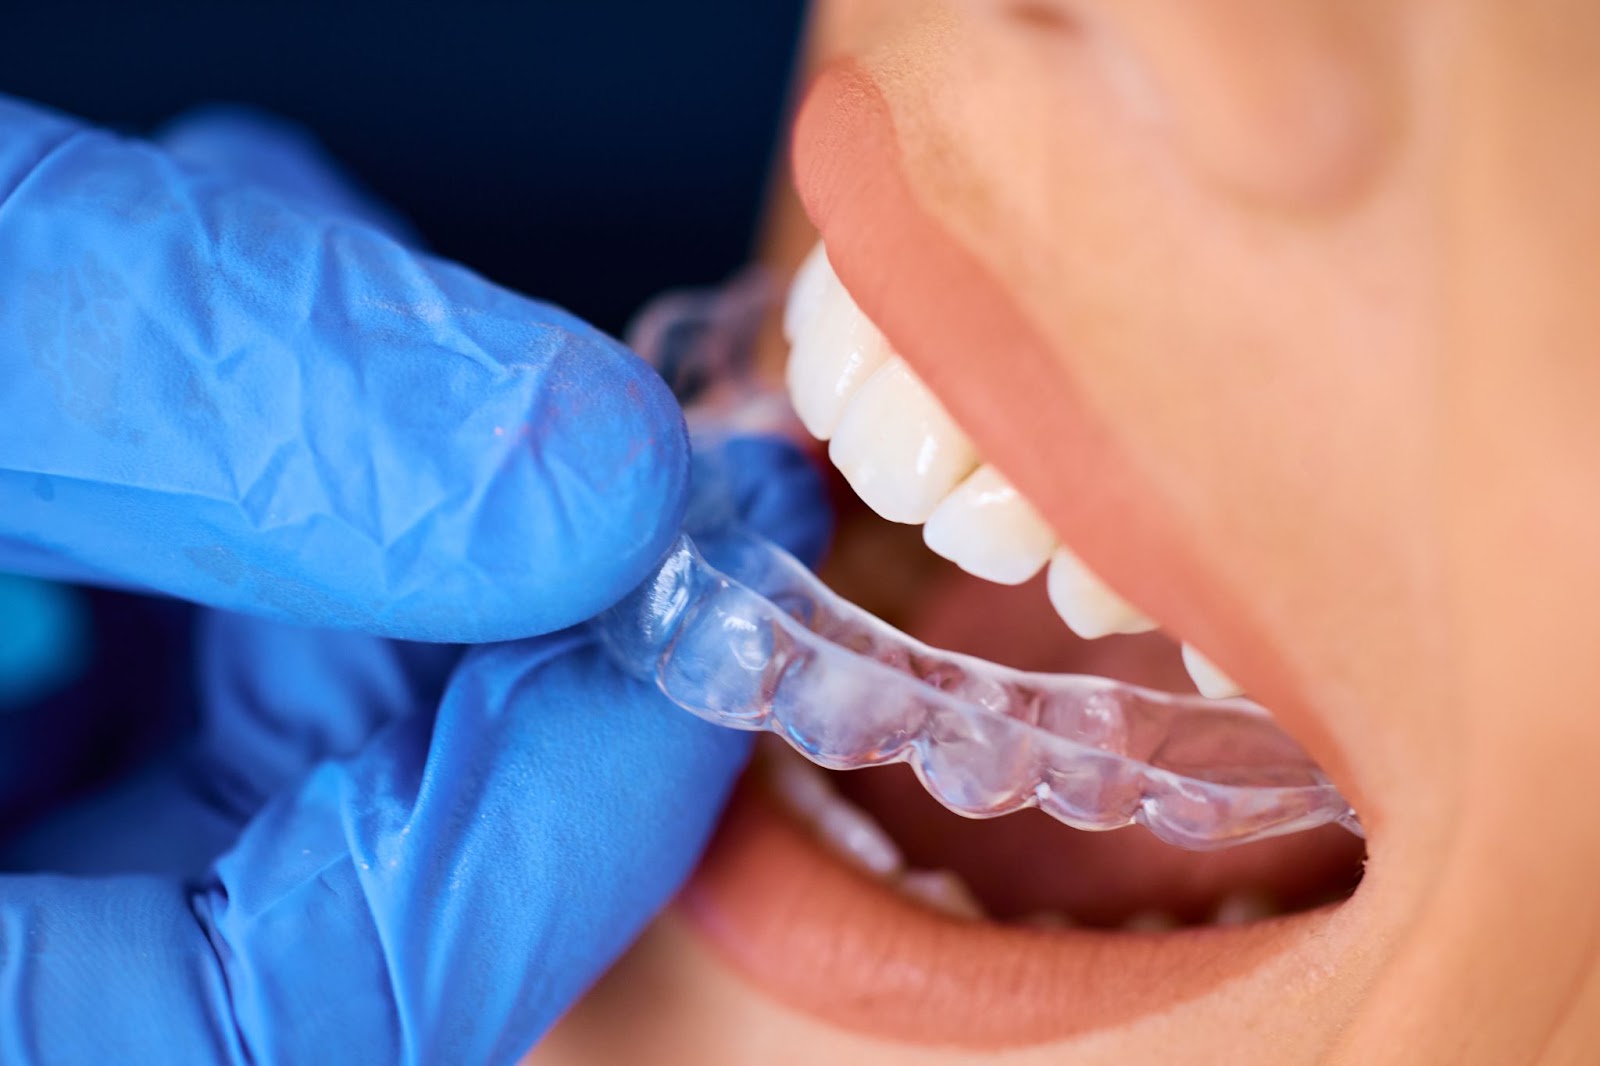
1242 908
854 835
848 831
1152 921
943 890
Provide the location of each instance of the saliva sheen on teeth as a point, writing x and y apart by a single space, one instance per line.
732 628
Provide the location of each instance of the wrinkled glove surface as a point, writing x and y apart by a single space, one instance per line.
227 378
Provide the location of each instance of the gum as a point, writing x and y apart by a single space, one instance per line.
735 630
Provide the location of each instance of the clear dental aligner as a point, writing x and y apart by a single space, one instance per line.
737 631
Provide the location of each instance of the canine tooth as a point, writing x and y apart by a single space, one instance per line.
898 448
1086 603
835 350
988 529
1151 921
1212 683
805 292
1243 907
944 891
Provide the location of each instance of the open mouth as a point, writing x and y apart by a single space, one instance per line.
860 898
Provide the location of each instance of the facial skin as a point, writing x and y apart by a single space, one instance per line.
1297 349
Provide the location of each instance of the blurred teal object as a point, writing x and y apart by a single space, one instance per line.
44 639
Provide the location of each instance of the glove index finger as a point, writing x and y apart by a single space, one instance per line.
217 395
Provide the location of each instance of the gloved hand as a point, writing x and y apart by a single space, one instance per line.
224 378
266 402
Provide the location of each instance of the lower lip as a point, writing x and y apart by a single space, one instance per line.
821 937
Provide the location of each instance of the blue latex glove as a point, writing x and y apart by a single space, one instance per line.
256 397
183 355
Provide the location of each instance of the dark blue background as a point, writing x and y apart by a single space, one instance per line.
590 152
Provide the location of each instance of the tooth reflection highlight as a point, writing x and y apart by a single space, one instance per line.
899 449
1086 603
988 529
835 348
1211 682
806 292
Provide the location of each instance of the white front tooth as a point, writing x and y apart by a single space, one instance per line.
942 890
988 529
805 292
1212 683
1086 603
835 350
898 448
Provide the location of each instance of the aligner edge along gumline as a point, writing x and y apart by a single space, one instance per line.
733 629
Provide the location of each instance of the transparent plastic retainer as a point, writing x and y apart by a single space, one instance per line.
735 630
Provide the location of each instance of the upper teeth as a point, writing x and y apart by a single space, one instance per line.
1086 603
986 527
909 461
897 447
1207 678
834 346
